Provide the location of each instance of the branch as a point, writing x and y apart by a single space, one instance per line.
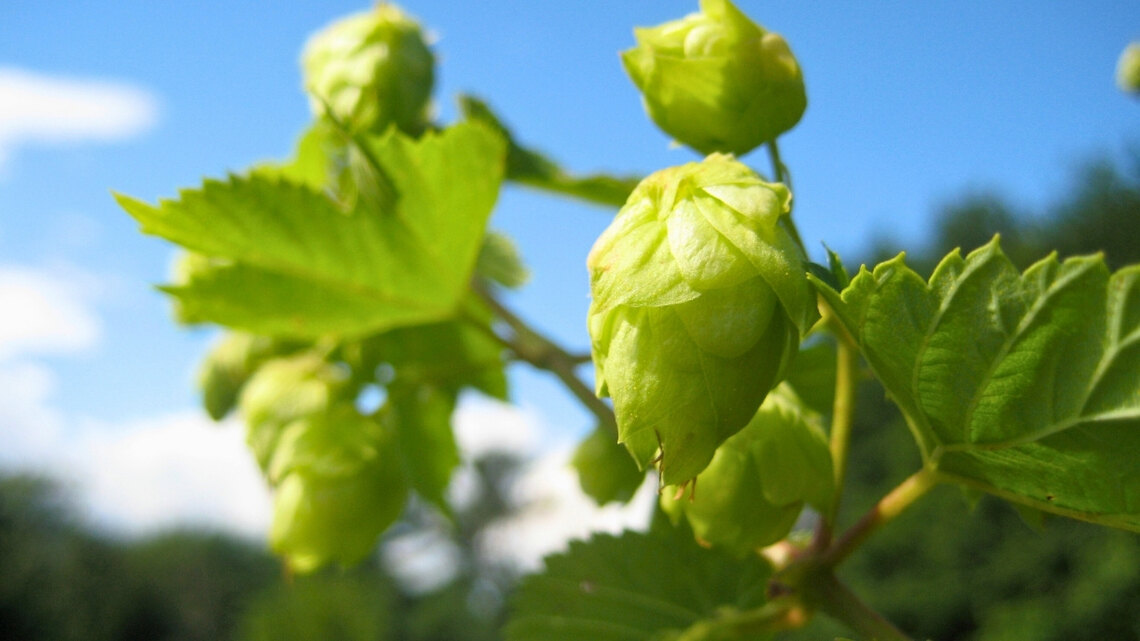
885 511
543 353
840 603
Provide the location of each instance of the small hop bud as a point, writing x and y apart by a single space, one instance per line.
716 81
372 70
1128 69
699 302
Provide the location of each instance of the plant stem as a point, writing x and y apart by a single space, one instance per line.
545 354
781 175
779 170
840 603
843 410
885 511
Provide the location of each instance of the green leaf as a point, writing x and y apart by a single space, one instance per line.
632 588
314 159
533 169
1026 386
285 258
605 469
812 375
420 417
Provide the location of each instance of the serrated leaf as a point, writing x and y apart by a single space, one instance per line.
634 587
420 417
837 269
1026 386
534 169
286 258
606 471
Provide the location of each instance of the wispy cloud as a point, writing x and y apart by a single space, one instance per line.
42 109
44 312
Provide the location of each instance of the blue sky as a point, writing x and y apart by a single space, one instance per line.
910 105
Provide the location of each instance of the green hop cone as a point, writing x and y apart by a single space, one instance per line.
757 483
337 478
716 81
371 69
699 301
339 484
1128 69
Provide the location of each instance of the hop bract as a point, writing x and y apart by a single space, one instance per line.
754 488
699 302
716 81
371 69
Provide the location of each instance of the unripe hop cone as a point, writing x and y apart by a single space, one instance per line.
372 69
337 478
699 302
1128 69
716 81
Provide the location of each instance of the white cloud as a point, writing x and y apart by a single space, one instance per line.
44 312
155 473
176 470
556 511
181 469
42 109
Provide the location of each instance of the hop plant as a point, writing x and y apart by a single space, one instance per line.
699 303
716 81
372 70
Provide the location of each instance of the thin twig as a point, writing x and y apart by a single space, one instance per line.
885 511
543 353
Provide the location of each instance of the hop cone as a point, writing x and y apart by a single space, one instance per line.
699 303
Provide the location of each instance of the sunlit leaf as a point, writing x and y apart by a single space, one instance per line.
285 258
633 587
1026 386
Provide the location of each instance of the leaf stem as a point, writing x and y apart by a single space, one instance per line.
843 409
840 603
885 511
545 354
781 175
779 169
